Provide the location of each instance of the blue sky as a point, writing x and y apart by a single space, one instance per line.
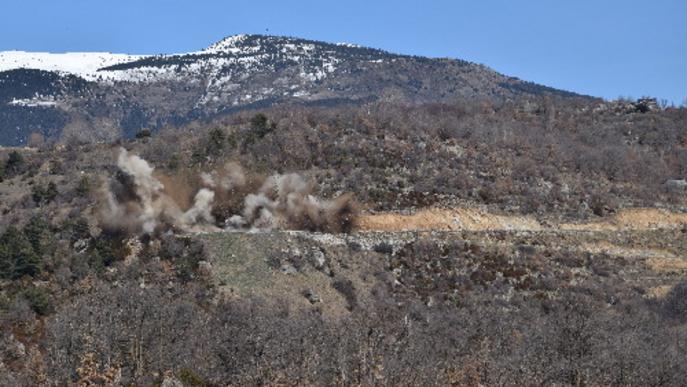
604 48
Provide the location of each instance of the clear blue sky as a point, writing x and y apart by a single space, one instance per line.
606 48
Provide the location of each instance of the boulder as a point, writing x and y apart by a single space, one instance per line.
676 183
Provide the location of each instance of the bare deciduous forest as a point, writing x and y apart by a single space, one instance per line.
282 286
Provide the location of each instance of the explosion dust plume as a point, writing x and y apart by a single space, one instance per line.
135 200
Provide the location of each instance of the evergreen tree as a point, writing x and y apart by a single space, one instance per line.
261 125
17 256
215 142
41 194
84 186
51 192
14 162
38 194
35 231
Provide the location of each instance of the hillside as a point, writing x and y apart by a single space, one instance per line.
123 94
276 211
534 241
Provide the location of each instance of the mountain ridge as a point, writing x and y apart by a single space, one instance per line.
125 94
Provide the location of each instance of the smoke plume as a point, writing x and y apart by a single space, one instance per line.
135 200
286 201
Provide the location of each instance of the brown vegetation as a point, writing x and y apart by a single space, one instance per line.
561 263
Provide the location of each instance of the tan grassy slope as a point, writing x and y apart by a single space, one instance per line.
470 219
625 221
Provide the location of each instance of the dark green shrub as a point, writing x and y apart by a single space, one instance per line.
39 299
383 248
184 253
42 194
232 141
216 142
347 290
601 204
83 188
106 250
675 302
487 194
144 133
56 167
261 126
174 162
17 255
37 193
198 157
75 229
36 231
259 122
51 192
15 162
190 378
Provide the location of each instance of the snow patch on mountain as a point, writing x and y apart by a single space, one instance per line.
82 64
229 61
228 44
37 101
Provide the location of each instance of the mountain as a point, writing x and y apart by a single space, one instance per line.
103 96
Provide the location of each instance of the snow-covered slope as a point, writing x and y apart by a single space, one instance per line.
82 64
238 54
228 44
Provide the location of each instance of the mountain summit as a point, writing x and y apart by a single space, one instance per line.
103 96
